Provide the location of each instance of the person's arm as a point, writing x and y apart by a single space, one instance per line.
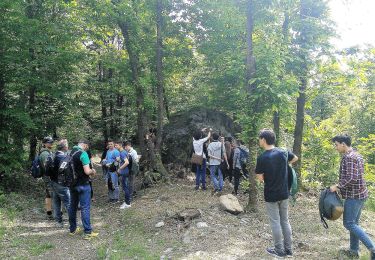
259 171
260 177
235 155
86 164
126 163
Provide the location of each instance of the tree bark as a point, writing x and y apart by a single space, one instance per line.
301 100
250 76
159 74
276 126
134 65
103 104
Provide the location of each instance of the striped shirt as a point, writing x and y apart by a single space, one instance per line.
351 182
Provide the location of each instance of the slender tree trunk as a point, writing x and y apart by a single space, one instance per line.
159 74
250 76
103 103
33 141
276 126
134 65
301 100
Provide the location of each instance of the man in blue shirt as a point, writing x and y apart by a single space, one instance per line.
123 171
111 161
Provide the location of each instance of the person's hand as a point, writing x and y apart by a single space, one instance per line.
93 172
204 129
333 188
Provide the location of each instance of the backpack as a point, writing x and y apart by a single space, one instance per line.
133 166
330 206
66 174
244 155
292 183
36 170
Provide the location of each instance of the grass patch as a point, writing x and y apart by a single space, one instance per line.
38 249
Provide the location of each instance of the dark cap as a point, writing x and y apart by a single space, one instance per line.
47 140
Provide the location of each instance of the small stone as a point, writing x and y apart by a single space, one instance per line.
202 225
168 250
159 224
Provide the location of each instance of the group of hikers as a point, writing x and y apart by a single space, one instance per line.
67 176
227 157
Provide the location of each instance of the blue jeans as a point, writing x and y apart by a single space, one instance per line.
80 194
216 177
200 175
115 193
60 194
352 214
127 186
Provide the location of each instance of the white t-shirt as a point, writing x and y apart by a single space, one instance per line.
198 146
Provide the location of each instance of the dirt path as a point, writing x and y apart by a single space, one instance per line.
132 234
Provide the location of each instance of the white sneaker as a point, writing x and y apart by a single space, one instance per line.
125 206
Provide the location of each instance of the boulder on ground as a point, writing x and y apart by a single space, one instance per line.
178 133
231 204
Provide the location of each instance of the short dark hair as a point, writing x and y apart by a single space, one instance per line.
268 135
215 136
83 141
126 143
197 135
110 141
118 142
343 139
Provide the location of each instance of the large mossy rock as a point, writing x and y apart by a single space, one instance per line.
178 133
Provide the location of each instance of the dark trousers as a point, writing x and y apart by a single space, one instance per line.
244 170
128 187
237 176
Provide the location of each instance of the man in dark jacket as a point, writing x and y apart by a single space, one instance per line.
61 191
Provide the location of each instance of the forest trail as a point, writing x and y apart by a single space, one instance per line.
131 233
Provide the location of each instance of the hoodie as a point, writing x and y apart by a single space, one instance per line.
216 149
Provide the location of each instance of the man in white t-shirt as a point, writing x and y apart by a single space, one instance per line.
198 145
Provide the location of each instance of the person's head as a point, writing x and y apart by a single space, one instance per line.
47 142
84 144
197 135
239 142
235 143
266 137
127 145
215 136
62 145
342 142
111 144
118 145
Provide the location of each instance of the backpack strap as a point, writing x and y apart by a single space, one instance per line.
325 225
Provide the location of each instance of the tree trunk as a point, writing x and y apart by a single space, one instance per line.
301 100
134 65
103 104
159 74
250 76
33 141
276 126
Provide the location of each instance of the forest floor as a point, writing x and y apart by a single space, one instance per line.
25 233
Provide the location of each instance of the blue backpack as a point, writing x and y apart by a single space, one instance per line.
244 155
36 168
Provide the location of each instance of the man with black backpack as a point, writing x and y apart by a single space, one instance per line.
272 169
80 190
353 189
60 187
46 163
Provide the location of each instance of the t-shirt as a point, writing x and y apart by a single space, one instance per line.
123 156
111 156
198 146
80 159
274 165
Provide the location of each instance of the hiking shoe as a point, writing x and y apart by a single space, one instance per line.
289 253
274 253
76 232
125 206
196 188
59 224
90 236
348 253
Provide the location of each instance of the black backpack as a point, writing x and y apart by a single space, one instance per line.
66 174
330 206
38 169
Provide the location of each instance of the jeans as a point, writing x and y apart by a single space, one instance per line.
80 194
237 176
115 193
216 177
60 194
127 181
279 220
200 175
352 214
